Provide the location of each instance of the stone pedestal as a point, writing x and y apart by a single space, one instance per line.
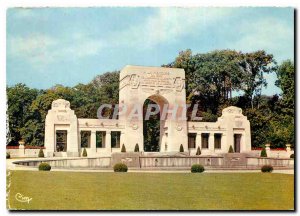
108 141
21 148
211 142
93 143
288 147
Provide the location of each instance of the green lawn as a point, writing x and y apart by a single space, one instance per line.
156 191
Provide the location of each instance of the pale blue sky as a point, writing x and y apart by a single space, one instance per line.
66 46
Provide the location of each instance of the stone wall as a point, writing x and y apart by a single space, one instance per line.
272 153
102 162
15 153
235 161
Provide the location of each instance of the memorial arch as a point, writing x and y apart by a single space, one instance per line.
164 86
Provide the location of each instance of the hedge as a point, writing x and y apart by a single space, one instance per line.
120 167
44 167
197 168
267 168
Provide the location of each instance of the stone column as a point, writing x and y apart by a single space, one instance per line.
122 140
198 141
21 149
268 150
79 140
288 147
211 142
108 141
93 142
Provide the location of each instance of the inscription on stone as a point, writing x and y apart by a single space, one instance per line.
62 118
157 79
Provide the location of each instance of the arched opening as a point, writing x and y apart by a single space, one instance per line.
151 129
153 126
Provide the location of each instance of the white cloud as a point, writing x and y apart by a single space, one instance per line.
39 50
34 48
81 48
169 25
272 35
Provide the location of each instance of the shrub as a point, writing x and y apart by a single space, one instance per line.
292 156
84 153
120 167
263 152
7 155
136 148
267 168
44 167
181 148
230 149
123 149
197 168
198 151
41 153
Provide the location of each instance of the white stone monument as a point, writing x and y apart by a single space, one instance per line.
164 86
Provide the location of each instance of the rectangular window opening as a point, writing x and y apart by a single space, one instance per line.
192 140
218 138
115 139
100 139
61 140
85 139
204 140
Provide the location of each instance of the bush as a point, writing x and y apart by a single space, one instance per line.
197 168
181 148
7 155
292 156
198 151
84 153
263 152
230 149
136 148
267 168
41 153
123 148
120 167
44 167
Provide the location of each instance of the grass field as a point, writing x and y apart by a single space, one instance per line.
151 191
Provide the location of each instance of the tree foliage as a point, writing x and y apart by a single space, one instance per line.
230 149
181 148
263 152
123 149
136 148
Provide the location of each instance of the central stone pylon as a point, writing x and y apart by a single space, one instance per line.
164 86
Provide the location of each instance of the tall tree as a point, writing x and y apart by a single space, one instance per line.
255 65
286 81
19 99
210 77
